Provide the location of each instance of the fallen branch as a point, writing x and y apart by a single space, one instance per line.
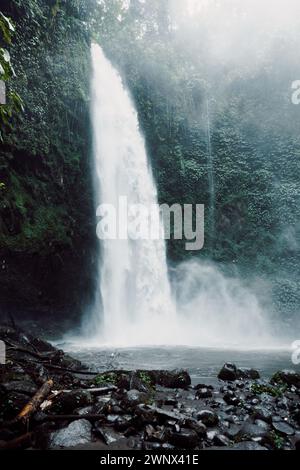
42 357
67 369
63 369
33 404
93 391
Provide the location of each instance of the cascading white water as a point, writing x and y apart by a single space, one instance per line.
135 305
136 298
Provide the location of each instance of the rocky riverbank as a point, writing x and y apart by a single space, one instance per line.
49 400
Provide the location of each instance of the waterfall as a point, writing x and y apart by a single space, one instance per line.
136 305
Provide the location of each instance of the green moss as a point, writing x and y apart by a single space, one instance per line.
105 378
277 439
145 378
277 391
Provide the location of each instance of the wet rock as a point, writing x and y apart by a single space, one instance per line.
78 432
262 424
203 393
84 411
157 434
123 422
141 381
221 440
212 434
263 414
133 398
166 413
288 377
185 439
196 426
107 434
255 401
172 379
68 402
228 372
231 399
233 431
245 373
252 430
11 404
207 417
112 419
20 383
171 401
283 428
198 386
248 445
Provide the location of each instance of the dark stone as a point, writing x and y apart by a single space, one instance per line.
68 402
244 373
221 440
195 425
76 433
198 386
263 414
108 435
185 439
262 424
233 431
228 372
123 422
157 434
166 414
283 428
247 445
170 401
204 393
252 430
21 383
133 398
207 417
172 379
288 377
231 399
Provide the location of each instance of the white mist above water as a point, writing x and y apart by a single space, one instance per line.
135 305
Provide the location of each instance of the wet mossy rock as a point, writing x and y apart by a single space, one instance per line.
46 204
230 372
144 379
286 377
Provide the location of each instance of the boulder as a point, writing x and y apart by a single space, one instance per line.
185 439
203 393
228 372
283 428
78 432
134 398
172 379
68 402
207 417
287 377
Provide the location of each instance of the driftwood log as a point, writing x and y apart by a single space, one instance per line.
32 406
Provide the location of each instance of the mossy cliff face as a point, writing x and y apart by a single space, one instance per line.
47 238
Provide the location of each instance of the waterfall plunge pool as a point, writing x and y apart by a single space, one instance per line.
203 364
